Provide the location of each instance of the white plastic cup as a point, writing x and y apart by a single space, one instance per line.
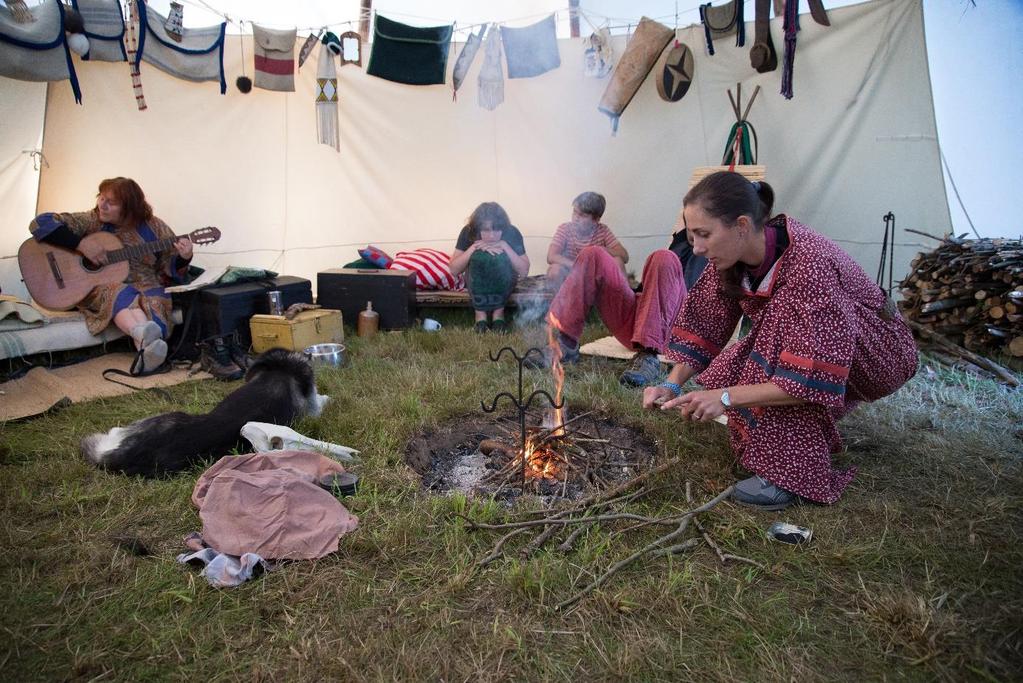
431 325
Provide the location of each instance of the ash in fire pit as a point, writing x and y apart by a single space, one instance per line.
481 456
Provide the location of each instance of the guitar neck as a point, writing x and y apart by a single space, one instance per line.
139 250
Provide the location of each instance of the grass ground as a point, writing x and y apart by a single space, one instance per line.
914 575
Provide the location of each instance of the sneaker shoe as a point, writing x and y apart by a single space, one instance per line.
759 493
481 327
569 356
145 333
216 360
153 355
645 369
499 326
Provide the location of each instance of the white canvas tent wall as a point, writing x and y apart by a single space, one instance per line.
857 140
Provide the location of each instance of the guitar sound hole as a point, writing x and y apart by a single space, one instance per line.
90 266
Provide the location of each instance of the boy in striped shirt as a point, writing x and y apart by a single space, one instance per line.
584 230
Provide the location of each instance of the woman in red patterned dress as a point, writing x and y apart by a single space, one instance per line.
823 337
139 306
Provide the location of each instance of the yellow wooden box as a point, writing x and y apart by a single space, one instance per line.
307 328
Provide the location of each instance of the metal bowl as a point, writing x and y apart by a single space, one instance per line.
326 355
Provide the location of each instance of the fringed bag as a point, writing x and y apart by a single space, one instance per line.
37 50
326 100
491 79
639 57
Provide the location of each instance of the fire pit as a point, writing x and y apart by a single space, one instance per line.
558 455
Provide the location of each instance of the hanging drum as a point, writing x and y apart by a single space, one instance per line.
675 74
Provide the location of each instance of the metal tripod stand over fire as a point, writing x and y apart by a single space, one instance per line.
518 403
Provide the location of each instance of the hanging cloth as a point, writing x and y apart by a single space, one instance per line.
132 48
326 98
274 59
104 27
722 21
598 56
465 60
198 57
409 54
491 78
640 55
531 50
38 51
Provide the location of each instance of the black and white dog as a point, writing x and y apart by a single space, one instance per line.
279 387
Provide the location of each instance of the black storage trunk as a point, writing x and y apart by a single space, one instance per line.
393 293
225 309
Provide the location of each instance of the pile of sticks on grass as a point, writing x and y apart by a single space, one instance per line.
579 457
605 508
970 292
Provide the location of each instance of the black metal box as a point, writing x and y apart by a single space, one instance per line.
224 309
393 293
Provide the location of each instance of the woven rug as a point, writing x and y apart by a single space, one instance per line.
41 390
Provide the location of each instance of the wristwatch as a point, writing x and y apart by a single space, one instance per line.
726 400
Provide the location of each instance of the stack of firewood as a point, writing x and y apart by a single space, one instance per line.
970 291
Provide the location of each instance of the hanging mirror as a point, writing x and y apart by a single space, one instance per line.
351 48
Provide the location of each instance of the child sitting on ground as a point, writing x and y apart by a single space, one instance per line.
584 230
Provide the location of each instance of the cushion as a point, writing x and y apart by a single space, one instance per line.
376 257
432 269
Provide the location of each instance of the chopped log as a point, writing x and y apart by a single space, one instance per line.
1016 346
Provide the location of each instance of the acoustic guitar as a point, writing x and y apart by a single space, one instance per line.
59 278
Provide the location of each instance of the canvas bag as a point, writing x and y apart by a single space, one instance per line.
531 50
198 57
274 60
409 54
491 78
104 27
642 51
37 51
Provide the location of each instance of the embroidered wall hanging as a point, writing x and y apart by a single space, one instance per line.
409 54
37 50
465 59
104 27
198 57
274 61
642 51
531 50
598 55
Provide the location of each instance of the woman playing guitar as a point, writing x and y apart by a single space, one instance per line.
138 305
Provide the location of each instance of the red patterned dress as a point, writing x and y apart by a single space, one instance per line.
820 332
